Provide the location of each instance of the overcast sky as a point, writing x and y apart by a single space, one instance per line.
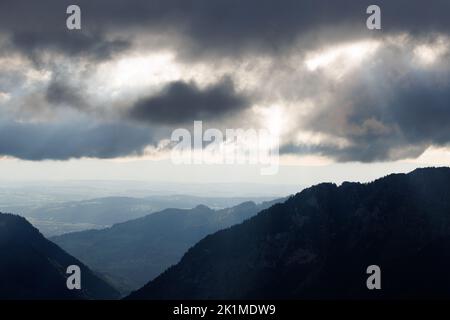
103 101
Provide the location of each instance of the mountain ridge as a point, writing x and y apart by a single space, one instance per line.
319 242
132 252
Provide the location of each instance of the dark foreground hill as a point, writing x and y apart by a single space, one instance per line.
133 252
319 243
32 267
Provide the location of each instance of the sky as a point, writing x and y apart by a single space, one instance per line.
102 103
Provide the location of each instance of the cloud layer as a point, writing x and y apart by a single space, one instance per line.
345 92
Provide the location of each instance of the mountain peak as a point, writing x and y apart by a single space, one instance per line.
202 207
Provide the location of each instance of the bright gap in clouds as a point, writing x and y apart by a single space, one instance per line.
138 72
273 118
346 55
429 53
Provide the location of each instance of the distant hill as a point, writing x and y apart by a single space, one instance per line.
99 213
135 251
318 244
32 267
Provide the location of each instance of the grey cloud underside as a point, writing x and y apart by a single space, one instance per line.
386 112
218 27
64 141
181 102
59 92
366 153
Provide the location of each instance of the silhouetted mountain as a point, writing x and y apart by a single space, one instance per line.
133 252
32 267
319 243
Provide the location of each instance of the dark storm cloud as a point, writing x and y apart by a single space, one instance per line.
62 141
59 92
222 27
384 112
39 27
181 102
